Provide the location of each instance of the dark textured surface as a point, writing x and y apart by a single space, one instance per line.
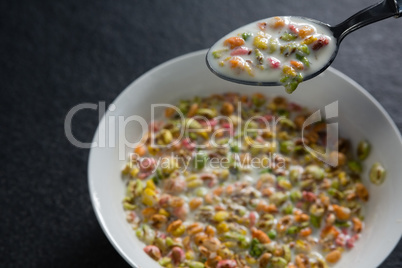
57 54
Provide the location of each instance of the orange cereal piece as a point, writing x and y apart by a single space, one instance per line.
195 203
334 256
140 150
306 31
236 62
305 232
357 225
260 235
277 22
342 213
218 191
329 231
297 64
233 42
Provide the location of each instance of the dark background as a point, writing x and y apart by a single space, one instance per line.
57 54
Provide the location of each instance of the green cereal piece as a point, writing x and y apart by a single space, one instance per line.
266 170
272 234
355 167
335 184
295 196
234 147
294 175
288 49
287 253
292 230
192 124
272 45
200 160
303 50
303 59
377 174
165 261
284 79
287 122
208 113
291 87
255 248
246 36
128 206
278 198
259 56
288 37
278 262
363 150
342 224
288 209
196 264
139 233
335 193
315 221
286 147
184 106
316 172
217 54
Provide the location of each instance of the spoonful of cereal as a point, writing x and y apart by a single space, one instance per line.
287 50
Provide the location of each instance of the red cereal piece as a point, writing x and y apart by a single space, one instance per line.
294 107
321 42
274 62
350 243
188 144
340 240
253 218
293 29
309 196
262 25
240 51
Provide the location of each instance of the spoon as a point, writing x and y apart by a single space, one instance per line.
374 13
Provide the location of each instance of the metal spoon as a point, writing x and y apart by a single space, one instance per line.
374 13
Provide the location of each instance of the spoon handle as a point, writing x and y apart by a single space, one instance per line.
376 12
398 4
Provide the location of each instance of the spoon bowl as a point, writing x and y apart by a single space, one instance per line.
274 77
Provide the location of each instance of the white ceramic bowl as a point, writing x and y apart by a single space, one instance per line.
360 117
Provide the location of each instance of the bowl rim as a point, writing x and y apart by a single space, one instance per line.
93 195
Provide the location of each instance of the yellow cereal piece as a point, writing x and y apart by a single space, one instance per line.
309 40
163 212
221 216
285 184
287 70
191 177
261 42
150 185
126 169
190 255
134 172
149 197
179 231
222 227
194 184
152 150
169 166
250 260
230 244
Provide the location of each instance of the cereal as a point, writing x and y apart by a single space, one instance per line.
281 50
289 210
